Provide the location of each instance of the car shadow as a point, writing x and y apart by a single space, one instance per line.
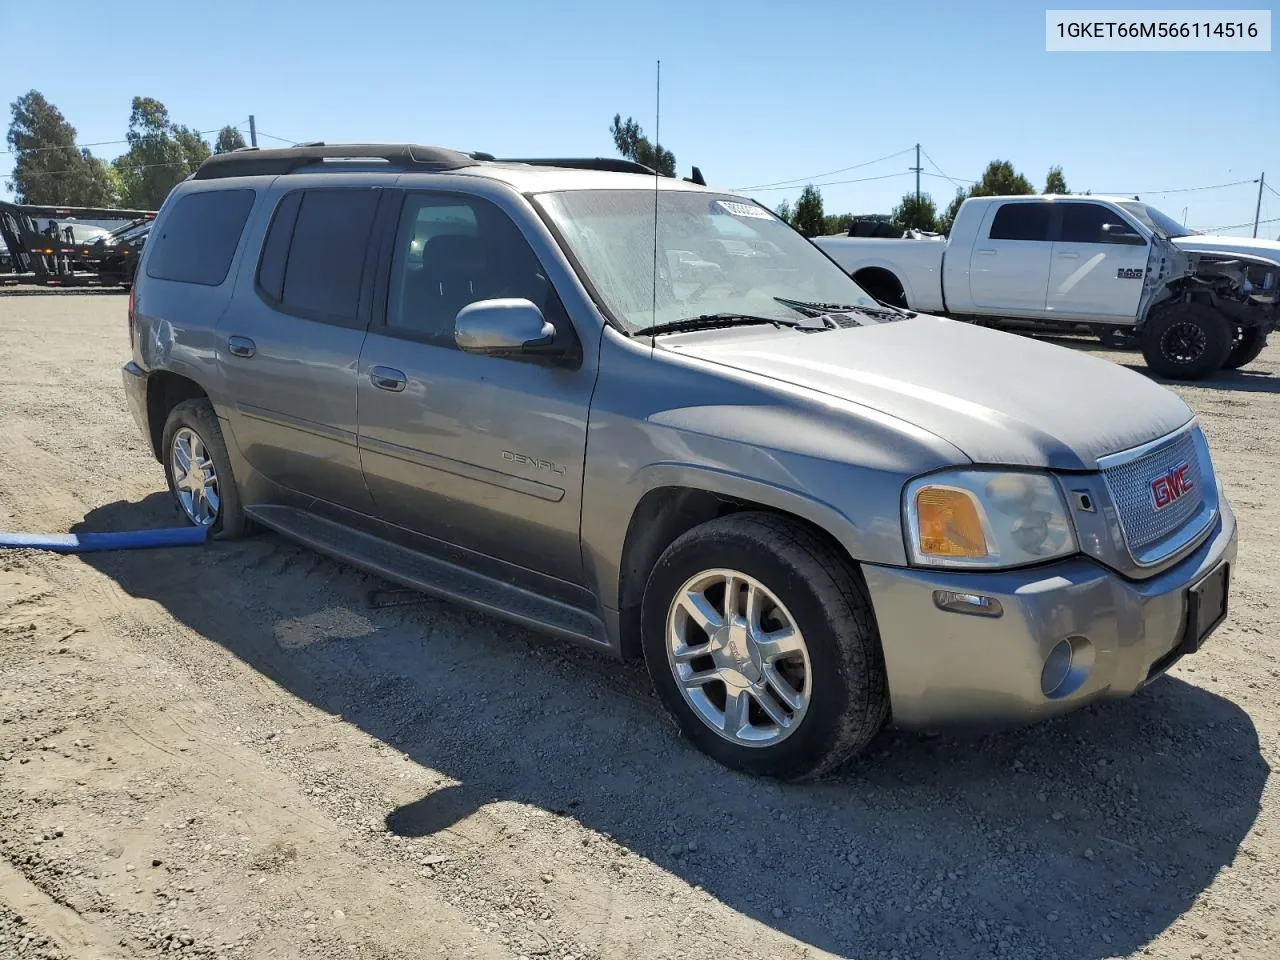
1235 381
1086 836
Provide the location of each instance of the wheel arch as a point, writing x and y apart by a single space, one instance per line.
165 390
883 284
665 512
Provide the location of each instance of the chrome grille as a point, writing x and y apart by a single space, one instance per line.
1130 486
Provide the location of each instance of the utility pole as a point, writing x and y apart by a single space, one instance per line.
917 169
1257 211
253 132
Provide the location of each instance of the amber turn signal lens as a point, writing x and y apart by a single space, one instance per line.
949 524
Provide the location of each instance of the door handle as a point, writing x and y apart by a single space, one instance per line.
388 378
986 253
1065 255
241 347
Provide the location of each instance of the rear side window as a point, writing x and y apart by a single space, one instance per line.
1082 223
199 237
325 234
1021 221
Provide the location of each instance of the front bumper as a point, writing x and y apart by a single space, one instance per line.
135 394
947 668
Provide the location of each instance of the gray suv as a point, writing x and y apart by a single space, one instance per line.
650 417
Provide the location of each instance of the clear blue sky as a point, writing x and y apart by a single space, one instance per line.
752 91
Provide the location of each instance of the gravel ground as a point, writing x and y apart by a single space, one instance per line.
226 752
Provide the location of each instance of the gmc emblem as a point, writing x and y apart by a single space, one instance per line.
1172 486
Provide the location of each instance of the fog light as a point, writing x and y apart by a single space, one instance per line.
1067 667
973 603
1057 667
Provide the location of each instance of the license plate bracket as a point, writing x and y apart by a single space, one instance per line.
1206 608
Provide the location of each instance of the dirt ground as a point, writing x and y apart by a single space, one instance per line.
227 752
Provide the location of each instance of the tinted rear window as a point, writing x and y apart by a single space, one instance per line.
199 237
1021 221
326 258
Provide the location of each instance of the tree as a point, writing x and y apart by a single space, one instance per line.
160 154
916 214
229 138
834 223
48 167
808 213
998 180
634 145
948 218
1055 182
784 211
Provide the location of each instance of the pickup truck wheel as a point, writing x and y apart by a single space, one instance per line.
199 471
762 646
1248 343
1186 341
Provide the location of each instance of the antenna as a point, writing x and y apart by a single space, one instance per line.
657 145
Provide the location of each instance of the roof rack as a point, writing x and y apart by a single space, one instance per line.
258 162
609 164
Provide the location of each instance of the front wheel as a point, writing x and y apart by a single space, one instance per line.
1186 341
1248 343
762 646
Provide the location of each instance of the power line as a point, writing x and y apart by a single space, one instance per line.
85 146
797 181
1237 226
832 183
271 136
933 163
1271 188
1212 186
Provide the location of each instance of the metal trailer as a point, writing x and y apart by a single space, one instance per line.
52 256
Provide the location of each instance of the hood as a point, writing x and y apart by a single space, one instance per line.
998 397
1250 246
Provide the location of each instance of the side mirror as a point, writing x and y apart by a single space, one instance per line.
504 328
1121 233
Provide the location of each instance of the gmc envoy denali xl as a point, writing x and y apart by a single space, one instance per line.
648 415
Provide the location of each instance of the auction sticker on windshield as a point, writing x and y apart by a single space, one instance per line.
741 209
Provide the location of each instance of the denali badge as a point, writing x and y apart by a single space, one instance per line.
1171 486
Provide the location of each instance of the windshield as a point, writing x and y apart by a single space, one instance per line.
715 254
1163 225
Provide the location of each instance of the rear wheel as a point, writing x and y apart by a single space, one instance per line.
1186 341
199 471
761 645
1248 343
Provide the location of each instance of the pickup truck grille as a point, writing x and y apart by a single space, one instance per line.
1161 491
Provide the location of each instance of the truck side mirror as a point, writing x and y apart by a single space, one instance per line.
1121 233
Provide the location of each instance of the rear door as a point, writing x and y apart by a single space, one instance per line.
1009 266
1093 275
484 453
290 344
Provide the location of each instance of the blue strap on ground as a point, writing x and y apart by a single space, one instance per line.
91 542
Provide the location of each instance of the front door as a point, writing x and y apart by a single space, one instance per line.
484 453
290 342
1009 266
1093 274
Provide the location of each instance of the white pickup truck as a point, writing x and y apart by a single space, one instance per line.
1195 303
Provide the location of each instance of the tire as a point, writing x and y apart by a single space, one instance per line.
1119 338
1186 341
1248 343
196 417
840 675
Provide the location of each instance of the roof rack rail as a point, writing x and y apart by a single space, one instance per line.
610 164
258 162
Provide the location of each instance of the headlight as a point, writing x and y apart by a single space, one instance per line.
986 518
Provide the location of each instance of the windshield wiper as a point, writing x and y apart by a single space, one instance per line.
709 321
817 308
